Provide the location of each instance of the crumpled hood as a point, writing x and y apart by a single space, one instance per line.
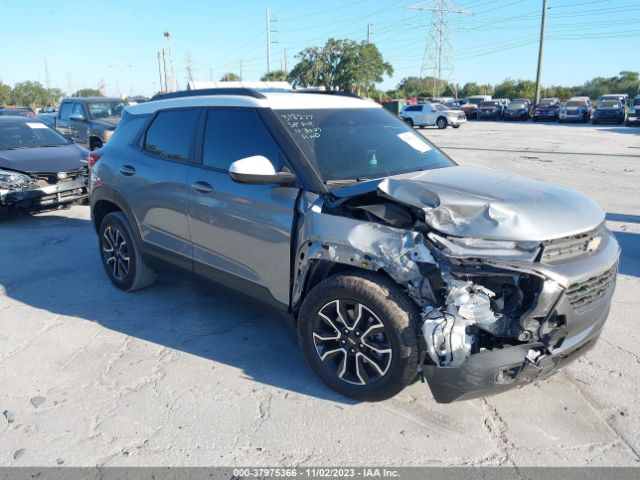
473 202
45 160
108 123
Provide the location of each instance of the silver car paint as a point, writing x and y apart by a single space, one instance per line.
465 201
242 229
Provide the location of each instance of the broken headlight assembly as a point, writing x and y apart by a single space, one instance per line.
468 247
12 180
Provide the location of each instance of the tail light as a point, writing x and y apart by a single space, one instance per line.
93 158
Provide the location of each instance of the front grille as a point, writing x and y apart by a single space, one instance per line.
582 294
561 249
45 179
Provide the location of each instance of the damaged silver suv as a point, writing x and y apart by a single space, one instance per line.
394 261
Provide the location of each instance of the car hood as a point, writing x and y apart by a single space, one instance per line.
473 202
108 123
45 159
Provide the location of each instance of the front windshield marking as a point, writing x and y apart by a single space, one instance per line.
356 143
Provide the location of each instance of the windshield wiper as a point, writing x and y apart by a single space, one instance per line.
346 181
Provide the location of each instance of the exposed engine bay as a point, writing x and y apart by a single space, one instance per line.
477 297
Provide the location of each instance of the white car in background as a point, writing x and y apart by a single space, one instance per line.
432 114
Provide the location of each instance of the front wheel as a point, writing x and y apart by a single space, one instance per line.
441 123
358 332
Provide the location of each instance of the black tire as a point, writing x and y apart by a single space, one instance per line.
409 122
138 274
456 126
384 304
442 123
95 144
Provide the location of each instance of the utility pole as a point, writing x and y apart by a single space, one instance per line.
164 66
189 65
437 52
540 52
160 72
240 70
285 62
47 82
368 33
268 42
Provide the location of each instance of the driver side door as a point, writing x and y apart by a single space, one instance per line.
241 233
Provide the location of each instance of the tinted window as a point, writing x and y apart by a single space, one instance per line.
234 134
414 108
65 110
172 133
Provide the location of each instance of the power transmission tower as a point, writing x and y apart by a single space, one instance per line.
437 53
368 33
189 66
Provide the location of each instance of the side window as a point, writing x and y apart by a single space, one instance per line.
172 133
65 110
414 108
77 109
234 134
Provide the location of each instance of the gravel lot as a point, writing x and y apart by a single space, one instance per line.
191 374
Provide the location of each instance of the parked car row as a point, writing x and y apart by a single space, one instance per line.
614 108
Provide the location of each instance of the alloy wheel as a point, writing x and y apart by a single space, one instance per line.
351 341
115 252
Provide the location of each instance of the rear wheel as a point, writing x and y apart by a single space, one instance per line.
358 332
456 125
409 122
121 256
441 123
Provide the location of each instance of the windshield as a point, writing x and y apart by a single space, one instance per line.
475 101
442 108
106 109
548 102
517 105
359 143
29 135
576 104
491 104
609 104
636 101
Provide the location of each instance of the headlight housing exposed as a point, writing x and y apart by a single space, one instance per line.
13 180
468 247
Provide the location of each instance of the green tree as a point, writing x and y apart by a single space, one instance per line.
5 93
275 76
230 77
29 94
340 65
422 86
87 92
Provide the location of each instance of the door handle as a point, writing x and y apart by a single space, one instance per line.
202 187
127 170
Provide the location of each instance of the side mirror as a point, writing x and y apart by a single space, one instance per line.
258 170
77 117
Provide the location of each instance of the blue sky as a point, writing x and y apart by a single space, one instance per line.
116 41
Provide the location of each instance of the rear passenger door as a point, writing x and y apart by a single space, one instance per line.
79 128
153 180
241 233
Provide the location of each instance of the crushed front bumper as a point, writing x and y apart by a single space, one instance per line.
40 198
493 371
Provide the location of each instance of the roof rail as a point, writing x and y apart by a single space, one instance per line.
245 92
341 93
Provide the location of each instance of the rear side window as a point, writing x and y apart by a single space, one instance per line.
172 133
234 134
414 108
65 110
